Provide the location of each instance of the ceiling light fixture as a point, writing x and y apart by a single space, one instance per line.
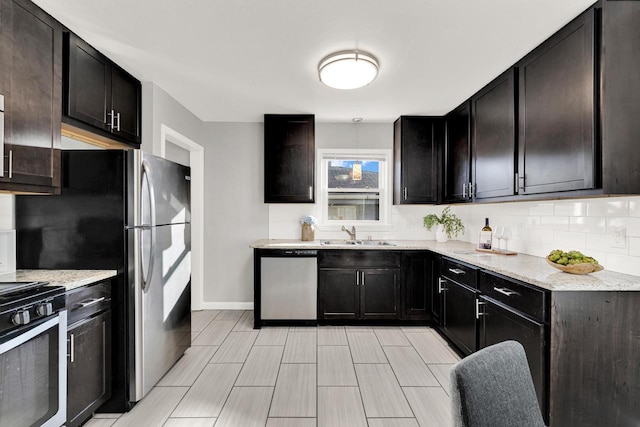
348 69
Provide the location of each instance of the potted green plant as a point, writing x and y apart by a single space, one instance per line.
449 225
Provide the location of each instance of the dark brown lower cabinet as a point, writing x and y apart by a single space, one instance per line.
417 270
594 358
89 361
358 285
338 294
459 315
88 367
358 294
379 293
500 322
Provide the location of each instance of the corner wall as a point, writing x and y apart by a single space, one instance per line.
234 209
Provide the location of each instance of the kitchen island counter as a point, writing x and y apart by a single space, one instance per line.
70 279
528 268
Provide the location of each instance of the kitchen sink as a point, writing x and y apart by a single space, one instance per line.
356 243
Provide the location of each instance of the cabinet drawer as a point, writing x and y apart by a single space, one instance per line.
520 296
461 273
88 300
348 258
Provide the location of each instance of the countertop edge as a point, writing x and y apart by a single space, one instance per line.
526 268
70 279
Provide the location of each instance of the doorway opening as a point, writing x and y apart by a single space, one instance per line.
169 137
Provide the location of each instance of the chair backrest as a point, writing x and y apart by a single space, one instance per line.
493 388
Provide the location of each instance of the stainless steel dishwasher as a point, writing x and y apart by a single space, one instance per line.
288 285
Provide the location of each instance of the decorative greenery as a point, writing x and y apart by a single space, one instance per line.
452 224
308 219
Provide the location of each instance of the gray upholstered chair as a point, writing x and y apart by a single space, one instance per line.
493 388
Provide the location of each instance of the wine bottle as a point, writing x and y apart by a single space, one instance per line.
486 235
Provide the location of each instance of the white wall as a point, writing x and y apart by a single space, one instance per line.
583 224
6 212
234 210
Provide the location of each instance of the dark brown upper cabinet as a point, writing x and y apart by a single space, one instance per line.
31 83
456 171
557 111
99 96
416 141
494 138
289 158
620 104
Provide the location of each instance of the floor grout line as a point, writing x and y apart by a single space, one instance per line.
241 323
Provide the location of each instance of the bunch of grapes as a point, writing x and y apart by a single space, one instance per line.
569 258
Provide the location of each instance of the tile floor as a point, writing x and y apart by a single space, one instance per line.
235 376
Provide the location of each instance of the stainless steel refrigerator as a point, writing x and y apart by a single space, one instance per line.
129 211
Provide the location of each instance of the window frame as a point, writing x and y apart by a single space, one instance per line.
385 186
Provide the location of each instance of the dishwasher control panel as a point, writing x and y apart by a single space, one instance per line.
290 252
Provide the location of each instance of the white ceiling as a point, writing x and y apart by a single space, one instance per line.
235 60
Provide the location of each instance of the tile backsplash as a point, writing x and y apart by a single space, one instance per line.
606 228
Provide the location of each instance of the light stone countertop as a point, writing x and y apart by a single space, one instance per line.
530 269
70 279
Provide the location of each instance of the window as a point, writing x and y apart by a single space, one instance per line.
353 186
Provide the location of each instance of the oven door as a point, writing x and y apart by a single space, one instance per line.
33 374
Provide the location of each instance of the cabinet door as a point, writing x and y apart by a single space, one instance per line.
88 84
457 155
460 316
338 294
89 373
31 82
620 89
494 138
125 102
557 111
499 323
437 293
415 143
379 293
417 275
289 153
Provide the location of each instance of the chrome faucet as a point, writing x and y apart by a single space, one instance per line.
352 233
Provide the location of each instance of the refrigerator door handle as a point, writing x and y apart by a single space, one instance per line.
147 264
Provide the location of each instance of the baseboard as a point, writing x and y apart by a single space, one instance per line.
208 305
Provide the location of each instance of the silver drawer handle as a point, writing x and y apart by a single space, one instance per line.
456 271
441 283
505 291
91 302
